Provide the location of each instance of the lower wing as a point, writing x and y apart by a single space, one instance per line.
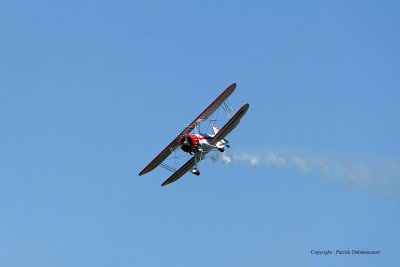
180 172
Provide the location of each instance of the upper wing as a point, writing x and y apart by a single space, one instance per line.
230 125
202 117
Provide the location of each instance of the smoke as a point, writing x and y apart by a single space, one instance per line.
382 178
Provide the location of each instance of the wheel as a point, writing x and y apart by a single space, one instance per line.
196 171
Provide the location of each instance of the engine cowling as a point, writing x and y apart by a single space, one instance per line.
189 142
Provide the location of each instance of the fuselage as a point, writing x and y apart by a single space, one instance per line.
195 142
190 143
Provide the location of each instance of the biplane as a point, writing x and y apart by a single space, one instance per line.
198 144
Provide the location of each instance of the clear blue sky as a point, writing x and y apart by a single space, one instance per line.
90 91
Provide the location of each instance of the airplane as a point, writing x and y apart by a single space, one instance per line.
198 144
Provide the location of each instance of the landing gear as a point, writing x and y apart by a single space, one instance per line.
196 171
197 157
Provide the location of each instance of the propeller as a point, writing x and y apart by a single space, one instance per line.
187 144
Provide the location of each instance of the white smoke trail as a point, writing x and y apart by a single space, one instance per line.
274 160
383 179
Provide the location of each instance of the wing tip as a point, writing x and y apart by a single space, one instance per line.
247 105
166 182
144 171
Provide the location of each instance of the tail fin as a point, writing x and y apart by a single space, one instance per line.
215 129
221 143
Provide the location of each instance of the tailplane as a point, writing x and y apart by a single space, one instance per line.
215 129
221 144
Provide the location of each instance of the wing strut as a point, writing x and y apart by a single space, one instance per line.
167 167
227 108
